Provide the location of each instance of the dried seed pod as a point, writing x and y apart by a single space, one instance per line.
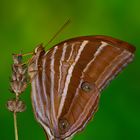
19 75
16 105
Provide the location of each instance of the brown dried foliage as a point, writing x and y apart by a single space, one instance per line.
19 75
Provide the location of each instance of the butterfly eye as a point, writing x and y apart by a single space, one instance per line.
85 86
63 124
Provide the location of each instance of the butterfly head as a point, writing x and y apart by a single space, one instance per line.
39 48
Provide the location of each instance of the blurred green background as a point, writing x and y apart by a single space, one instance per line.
26 23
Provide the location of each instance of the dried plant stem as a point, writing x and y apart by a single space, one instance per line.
18 84
15 120
15 125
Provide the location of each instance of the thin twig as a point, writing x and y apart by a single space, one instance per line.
15 126
18 85
15 120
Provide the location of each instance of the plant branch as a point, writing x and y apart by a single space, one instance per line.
15 126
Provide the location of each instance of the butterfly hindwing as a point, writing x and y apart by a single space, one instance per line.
69 78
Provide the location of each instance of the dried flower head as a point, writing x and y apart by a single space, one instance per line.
16 105
19 75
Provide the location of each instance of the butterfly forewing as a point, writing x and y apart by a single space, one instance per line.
67 80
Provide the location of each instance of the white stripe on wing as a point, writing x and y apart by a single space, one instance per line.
69 75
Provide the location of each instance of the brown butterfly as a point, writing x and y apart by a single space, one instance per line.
67 80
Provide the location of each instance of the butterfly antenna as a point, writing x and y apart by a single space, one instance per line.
59 31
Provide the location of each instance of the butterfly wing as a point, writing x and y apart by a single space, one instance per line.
67 81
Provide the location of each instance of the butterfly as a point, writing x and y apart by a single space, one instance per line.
67 81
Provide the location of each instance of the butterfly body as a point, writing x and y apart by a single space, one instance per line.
67 80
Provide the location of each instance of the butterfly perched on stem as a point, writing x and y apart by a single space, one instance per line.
67 81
